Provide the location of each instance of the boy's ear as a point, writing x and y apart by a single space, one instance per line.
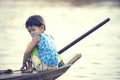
42 27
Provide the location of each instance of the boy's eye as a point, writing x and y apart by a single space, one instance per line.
31 30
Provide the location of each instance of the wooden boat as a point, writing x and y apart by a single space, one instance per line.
44 75
51 74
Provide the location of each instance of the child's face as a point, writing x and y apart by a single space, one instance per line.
35 29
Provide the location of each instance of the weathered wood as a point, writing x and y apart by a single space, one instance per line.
74 59
44 75
8 71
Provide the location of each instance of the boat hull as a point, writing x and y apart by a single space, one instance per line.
44 75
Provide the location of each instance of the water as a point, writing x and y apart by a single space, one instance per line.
100 50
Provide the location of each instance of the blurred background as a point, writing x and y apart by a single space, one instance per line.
65 20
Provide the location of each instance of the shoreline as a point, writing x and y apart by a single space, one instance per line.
74 3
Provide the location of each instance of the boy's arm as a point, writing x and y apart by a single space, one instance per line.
29 49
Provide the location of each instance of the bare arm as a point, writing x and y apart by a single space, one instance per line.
29 49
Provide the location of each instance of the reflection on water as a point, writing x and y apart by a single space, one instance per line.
100 50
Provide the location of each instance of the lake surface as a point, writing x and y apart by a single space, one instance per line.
100 50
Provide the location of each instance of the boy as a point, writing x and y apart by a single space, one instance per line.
46 57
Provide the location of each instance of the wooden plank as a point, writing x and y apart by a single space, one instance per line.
74 59
44 75
51 74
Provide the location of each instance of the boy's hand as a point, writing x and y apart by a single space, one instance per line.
23 67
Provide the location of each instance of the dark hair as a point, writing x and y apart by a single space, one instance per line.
35 20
